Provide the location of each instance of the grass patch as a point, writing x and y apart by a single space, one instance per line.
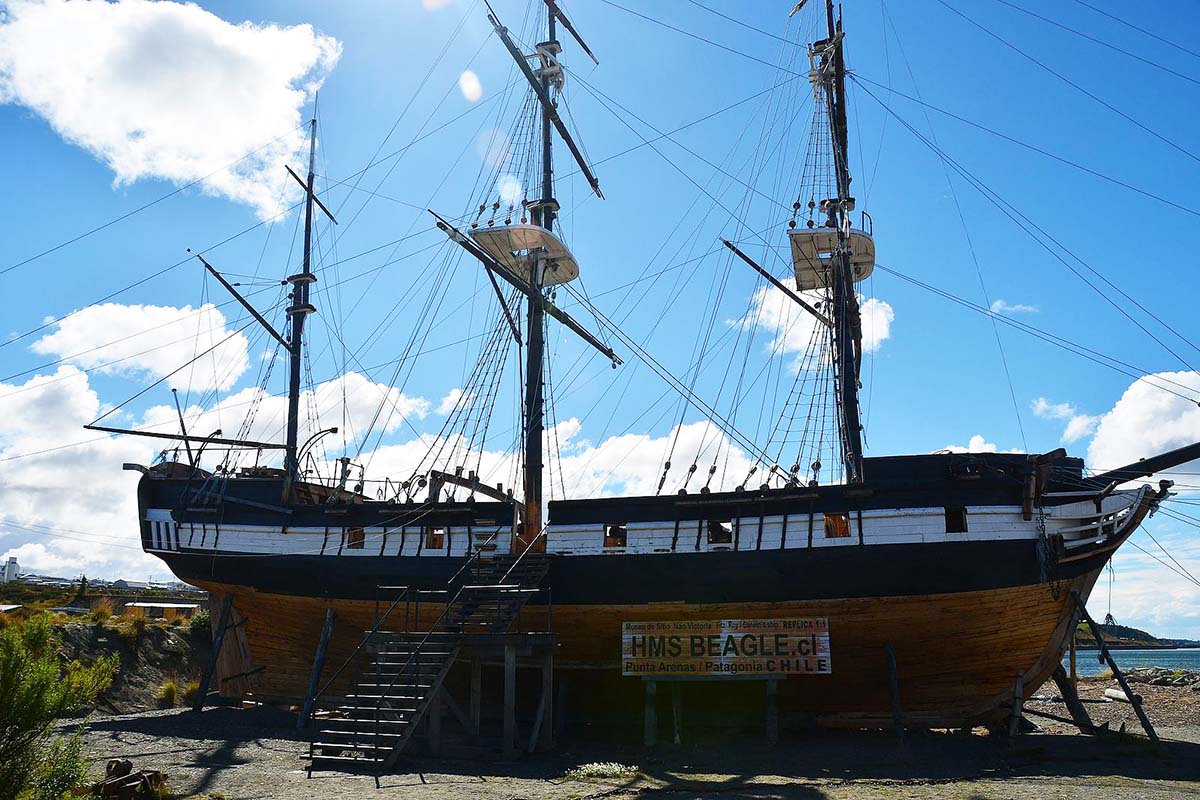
601 770
102 610
131 629
167 694
191 690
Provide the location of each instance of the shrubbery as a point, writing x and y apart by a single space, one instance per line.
36 688
201 625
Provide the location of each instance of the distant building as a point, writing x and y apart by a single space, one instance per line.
124 584
11 570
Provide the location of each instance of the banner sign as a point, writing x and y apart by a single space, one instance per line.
725 647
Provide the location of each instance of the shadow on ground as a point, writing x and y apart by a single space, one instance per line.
249 741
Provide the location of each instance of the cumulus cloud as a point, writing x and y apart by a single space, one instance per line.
976 444
151 341
363 399
629 464
1147 420
451 401
1003 307
1079 426
167 90
792 328
65 506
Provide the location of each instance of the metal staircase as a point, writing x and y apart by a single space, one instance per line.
370 727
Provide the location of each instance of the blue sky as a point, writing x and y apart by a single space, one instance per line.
935 381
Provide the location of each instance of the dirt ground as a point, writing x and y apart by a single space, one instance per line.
256 753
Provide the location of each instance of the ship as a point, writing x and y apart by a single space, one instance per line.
966 571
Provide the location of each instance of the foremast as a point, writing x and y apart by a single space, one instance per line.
297 312
830 74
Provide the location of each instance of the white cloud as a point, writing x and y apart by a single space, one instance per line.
469 85
151 341
362 400
877 317
1046 410
450 401
433 5
630 464
792 328
1079 426
67 509
1147 420
167 90
1002 307
976 444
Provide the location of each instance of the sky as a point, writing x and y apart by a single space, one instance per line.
136 130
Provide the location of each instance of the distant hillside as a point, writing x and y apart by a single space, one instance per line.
1123 636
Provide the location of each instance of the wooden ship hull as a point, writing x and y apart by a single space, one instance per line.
966 611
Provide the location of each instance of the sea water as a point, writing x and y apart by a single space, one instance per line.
1087 663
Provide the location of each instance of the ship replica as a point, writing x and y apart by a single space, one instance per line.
970 568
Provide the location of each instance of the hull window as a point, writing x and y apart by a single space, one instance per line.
956 519
837 526
616 536
355 538
435 538
720 532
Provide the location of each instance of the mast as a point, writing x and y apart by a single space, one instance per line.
543 215
299 309
847 324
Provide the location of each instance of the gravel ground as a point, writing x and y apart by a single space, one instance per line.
245 754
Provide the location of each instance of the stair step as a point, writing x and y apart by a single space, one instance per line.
318 760
357 724
357 748
383 735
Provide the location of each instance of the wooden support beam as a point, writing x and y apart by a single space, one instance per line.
772 712
1070 696
650 720
509 746
676 712
894 689
314 680
1098 633
218 641
548 698
1018 700
538 717
456 710
435 724
474 700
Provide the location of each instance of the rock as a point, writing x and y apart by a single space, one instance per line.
1196 686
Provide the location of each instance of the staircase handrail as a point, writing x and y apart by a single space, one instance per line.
474 557
522 554
374 630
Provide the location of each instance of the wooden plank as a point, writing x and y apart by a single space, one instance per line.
218 641
435 724
548 698
314 681
772 713
1070 696
894 690
676 712
650 716
509 745
1014 720
474 699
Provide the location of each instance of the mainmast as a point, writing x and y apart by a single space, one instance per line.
847 324
297 311
543 214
